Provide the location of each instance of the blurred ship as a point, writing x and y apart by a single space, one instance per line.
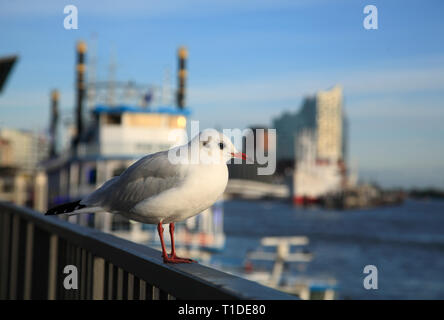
314 178
112 136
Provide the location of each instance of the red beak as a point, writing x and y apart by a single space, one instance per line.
240 155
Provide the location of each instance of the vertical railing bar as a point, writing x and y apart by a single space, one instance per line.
149 292
28 260
5 255
98 278
90 276
73 262
60 263
125 285
115 269
136 288
142 290
68 292
119 284
52 273
130 286
2 248
156 293
105 280
110 281
2 214
83 276
62 246
78 260
14 257
21 261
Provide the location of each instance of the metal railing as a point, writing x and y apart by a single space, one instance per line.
34 250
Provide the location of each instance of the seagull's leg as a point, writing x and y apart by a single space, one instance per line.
173 258
160 231
173 248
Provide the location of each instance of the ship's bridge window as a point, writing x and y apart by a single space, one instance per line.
113 119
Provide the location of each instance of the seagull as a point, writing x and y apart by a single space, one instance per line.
163 188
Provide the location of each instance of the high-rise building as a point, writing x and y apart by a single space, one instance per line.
323 115
329 124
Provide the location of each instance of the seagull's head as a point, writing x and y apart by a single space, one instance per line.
215 147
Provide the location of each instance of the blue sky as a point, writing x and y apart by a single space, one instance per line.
251 60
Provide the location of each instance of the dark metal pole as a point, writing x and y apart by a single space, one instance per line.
182 74
81 90
54 121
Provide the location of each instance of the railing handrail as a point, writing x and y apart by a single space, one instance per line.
184 281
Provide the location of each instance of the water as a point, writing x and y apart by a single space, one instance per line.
405 243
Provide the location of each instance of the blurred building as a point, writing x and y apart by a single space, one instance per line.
324 115
311 144
22 149
21 152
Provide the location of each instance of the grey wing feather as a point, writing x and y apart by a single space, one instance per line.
147 177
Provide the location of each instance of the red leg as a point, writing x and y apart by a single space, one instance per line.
173 258
160 231
173 248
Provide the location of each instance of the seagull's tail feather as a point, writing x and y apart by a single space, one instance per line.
71 208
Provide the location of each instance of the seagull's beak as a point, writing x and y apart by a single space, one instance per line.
239 155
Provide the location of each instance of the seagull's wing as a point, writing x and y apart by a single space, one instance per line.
149 176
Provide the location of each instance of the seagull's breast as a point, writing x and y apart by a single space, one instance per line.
201 187
205 185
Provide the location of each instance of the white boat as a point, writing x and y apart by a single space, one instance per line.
279 277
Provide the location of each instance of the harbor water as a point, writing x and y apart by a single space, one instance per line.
405 243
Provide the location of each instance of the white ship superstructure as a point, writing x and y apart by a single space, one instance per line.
312 178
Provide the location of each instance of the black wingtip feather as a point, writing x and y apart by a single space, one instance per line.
65 208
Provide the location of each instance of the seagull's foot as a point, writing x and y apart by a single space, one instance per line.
176 259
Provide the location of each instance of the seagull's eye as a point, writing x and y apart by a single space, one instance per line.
221 146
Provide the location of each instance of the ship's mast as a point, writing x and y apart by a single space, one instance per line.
110 98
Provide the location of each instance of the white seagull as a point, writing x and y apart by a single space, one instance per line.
156 190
